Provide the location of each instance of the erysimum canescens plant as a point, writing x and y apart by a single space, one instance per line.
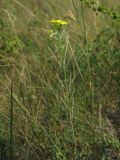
58 34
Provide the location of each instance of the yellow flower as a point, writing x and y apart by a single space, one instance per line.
58 22
50 31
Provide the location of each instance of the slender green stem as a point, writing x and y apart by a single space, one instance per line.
84 26
11 121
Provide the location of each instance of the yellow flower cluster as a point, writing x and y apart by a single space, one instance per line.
58 22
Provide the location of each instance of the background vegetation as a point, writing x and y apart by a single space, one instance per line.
60 91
